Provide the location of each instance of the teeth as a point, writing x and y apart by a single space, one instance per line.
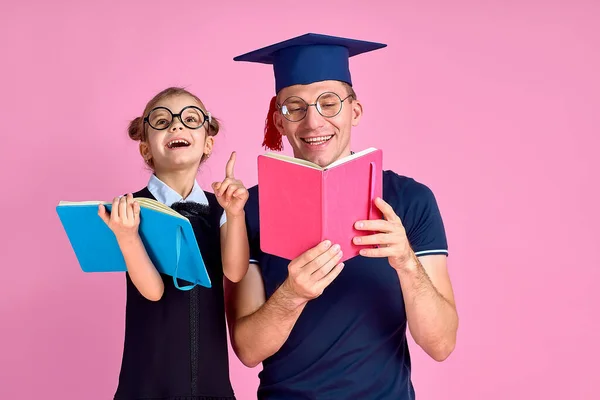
317 140
176 142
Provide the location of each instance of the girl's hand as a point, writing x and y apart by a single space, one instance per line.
231 193
124 218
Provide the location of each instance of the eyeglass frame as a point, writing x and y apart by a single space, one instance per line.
206 117
280 106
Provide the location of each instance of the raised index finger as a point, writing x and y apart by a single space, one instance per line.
229 166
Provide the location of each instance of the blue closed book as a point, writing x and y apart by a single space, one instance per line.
167 236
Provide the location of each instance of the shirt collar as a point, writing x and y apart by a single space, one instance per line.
168 196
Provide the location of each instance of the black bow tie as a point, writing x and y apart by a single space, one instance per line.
191 209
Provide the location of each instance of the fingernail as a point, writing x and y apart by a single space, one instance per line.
327 243
360 224
356 240
336 247
363 252
342 265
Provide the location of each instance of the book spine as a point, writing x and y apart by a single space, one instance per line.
372 184
323 207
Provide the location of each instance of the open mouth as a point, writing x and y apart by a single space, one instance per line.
173 144
315 141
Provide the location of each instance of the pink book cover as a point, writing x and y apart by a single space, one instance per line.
302 204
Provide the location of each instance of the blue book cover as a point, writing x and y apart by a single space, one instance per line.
167 236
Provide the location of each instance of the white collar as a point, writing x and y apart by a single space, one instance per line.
168 196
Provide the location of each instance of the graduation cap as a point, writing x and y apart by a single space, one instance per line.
304 60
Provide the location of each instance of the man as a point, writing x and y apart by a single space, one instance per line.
323 329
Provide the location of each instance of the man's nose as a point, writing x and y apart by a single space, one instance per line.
313 119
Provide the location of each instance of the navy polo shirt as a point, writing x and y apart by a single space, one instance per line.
350 343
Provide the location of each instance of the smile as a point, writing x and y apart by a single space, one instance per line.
315 141
178 143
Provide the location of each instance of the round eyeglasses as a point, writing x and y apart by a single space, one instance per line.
328 104
161 118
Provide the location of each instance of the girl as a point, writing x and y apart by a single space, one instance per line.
175 341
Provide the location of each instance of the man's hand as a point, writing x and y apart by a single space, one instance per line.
312 272
391 240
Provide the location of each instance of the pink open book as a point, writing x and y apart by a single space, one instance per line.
302 204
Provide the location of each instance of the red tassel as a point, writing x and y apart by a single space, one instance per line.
272 138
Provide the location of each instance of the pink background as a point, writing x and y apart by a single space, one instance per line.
493 104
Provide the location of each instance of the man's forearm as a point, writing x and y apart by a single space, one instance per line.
432 319
261 334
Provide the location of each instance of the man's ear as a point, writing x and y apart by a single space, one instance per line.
278 121
357 111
